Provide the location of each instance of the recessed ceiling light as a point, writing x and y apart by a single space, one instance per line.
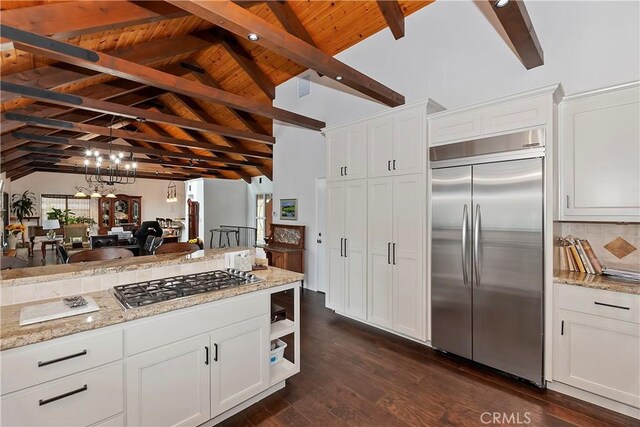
253 37
338 78
502 3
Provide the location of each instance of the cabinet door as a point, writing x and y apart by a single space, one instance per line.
136 210
380 220
356 152
599 355
600 148
355 248
407 256
409 143
336 161
454 127
239 361
335 220
380 151
515 115
170 385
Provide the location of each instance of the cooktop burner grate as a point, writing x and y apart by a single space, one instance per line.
158 290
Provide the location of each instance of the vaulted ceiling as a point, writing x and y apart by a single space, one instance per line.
177 83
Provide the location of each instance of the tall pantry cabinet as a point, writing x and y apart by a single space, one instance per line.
375 219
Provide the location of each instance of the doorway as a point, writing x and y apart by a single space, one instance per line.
264 216
320 229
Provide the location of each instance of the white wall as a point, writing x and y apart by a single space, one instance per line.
153 192
453 54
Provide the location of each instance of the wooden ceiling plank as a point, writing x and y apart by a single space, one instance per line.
21 173
289 20
241 22
80 171
97 61
140 136
73 19
107 107
393 16
516 22
57 140
53 77
245 60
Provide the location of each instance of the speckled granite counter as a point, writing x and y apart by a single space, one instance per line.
49 273
111 312
606 283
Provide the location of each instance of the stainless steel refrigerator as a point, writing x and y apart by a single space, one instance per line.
487 269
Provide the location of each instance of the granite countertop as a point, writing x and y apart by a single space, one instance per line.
111 312
606 283
49 273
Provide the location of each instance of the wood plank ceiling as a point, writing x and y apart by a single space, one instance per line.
190 98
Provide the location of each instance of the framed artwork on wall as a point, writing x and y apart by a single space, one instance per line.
289 209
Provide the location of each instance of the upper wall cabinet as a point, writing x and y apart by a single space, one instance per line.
600 155
501 116
396 143
347 152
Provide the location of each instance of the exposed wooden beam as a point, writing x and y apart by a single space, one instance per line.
241 22
53 77
140 136
100 106
246 62
57 140
393 16
20 173
72 19
289 20
517 24
80 171
97 61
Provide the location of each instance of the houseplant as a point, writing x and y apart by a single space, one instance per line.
64 216
23 205
14 231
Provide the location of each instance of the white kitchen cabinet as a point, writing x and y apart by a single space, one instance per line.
520 114
170 385
239 360
599 355
347 244
397 143
395 282
599 155
346 152
450 127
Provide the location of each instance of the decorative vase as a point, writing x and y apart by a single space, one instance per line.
12 241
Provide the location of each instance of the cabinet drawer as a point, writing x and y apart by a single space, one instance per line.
515 115
27 366
613 305
77 400
160 330
455 127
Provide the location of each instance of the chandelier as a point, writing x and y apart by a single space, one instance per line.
112 167
98 191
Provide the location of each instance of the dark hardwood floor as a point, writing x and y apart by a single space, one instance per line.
353 374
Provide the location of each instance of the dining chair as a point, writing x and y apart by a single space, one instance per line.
102 254
180 247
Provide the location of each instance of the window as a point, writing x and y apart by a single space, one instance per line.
263 216
80 207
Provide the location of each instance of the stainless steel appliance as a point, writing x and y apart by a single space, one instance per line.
487 269
153 291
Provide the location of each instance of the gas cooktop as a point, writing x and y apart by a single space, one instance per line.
153 291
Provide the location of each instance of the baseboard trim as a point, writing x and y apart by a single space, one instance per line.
244 405
594 399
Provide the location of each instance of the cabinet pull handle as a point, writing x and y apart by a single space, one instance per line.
394 254
345 247
341 167
611 305
215 353
341 253
389 253
389 165
567 201
42 402
206 354
394 165
345 171
562 328
61 359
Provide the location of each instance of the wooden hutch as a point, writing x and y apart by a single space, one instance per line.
285 247
122 211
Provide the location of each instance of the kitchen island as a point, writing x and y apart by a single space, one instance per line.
188 361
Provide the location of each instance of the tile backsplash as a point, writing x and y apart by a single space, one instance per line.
600 235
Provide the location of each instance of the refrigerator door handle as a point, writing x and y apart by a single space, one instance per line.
476 244
465 219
